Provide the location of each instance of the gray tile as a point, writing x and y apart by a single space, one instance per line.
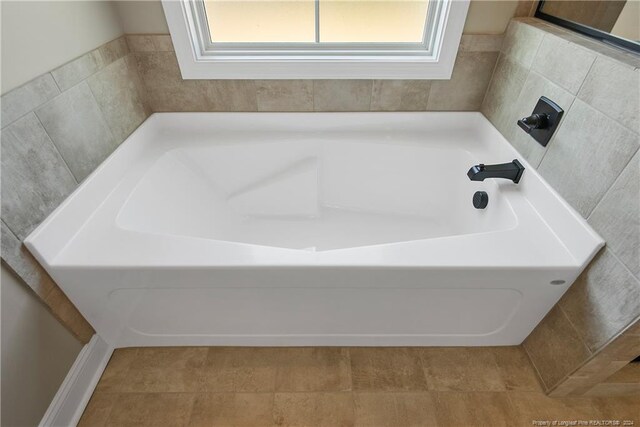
589 152
555 348
521 42
481 42
230 95
400 95
285 95
564 63
27 97
507 81
115 90
114 50
617 216
163 43
614 89
602 301
35 179
75 124
342 95
23 264
468 84
140 43
534 87
77 70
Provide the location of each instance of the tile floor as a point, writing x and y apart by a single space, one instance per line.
329 386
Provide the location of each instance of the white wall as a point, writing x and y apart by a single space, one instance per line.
485 16
489 17
38 36
142 17
37 352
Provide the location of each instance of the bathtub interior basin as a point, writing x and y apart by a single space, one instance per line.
311 194
312 229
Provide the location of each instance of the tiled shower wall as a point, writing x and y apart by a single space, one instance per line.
167 91
593 162
56 130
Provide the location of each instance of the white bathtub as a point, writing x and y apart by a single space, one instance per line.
312 229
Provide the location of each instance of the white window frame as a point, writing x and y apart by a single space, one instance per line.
199 58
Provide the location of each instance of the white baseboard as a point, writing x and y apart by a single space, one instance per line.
74 393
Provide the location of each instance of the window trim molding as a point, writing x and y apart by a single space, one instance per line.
361 63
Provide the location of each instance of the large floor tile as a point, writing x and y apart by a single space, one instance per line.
232 410
241 369
461 369
314 409
314 369
405 409
386 369
97 412
151 409
456 409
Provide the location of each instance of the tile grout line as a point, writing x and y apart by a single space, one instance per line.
599 202
56 148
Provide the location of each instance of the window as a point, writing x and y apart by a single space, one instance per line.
264 39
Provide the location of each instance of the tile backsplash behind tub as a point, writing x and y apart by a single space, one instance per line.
593 162
56 129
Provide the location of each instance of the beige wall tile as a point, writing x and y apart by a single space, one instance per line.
35 178
394 409
285 95
241 369
77 70
230 95
116 92
342 95
232 409
314 409
162 43
617 216
27 97
534 87
386 369
602 301
594 165
466 89
456 409
461 369
521 42
481 42
313 369
141 43
151 409
166 91
564 63
503 91
114 50
400 95
555 348
614 89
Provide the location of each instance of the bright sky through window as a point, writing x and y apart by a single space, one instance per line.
309 21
